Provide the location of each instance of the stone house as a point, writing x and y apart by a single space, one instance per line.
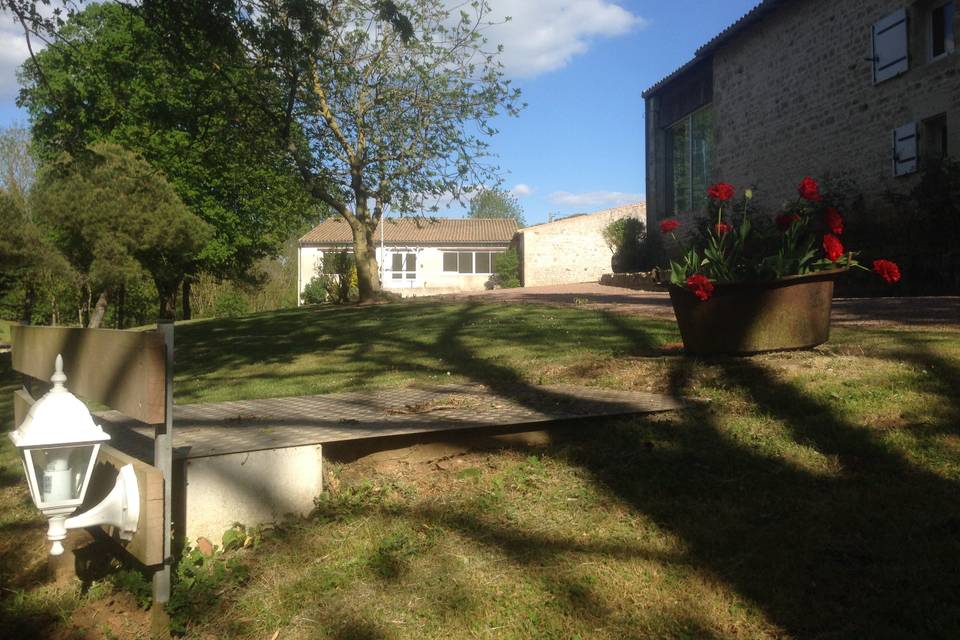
571 249
864 89
416 256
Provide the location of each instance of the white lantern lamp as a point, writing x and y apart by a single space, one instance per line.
59 444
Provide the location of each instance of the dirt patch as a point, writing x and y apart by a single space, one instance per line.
114 616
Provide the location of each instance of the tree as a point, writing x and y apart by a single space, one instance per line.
112 214
496 203
112 77
388 116
17 165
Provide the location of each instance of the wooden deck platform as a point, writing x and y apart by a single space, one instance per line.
213 429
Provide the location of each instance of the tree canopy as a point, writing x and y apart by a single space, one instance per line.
110 76
496 203
111 214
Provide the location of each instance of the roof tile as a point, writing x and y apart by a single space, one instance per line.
424 231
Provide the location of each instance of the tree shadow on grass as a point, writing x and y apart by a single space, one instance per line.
865 552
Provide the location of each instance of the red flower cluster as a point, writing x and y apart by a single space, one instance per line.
833 221
722 228
887 270
668 225
832 247
784 220
700 286
809 190
721 191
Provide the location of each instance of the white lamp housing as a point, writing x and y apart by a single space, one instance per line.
59 444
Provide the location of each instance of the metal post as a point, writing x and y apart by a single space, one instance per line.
163 460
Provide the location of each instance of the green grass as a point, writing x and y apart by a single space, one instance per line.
813 496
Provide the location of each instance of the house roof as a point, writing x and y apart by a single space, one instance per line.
748 19
419 231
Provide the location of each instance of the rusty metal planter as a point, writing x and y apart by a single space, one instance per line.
753 317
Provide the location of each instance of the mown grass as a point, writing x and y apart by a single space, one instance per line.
813 496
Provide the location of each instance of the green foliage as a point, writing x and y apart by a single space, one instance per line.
135 583
506 269
230 304
113 215
191 110
496 203
199 584
626 237
315 292
338 274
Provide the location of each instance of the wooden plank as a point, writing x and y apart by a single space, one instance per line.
147 543
124 370
22 401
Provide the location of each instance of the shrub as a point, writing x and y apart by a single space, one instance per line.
316 290
230 304
626 237
506 269
340 271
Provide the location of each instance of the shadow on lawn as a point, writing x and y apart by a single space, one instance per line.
867 551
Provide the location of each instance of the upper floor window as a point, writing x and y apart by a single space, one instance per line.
940 30
691 147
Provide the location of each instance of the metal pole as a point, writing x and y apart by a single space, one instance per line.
163 460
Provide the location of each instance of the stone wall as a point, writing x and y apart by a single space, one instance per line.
572 249
793 95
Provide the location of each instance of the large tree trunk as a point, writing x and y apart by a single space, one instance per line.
187 311
167 292
365 252
96 318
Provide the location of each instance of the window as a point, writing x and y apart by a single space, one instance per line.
933 141
940 30
890 56
469 261
691 141
403 266
905 149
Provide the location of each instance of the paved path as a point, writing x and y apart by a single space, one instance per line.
925 311
220 428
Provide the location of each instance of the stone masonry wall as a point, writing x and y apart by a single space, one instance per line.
572 249
794 96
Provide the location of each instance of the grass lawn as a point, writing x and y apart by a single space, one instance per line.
814 496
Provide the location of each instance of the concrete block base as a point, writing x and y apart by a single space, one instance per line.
252 488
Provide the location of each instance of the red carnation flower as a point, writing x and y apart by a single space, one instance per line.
832 247
700 286
887 270
833 221
722 228
785 220
721 191
668 225
809 190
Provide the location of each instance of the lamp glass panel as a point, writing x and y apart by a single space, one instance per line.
60 472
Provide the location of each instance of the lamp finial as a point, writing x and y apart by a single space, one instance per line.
59 377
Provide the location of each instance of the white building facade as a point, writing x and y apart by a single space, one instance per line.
416 256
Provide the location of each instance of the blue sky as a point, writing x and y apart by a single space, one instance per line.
582 65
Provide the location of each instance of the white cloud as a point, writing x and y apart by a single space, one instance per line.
544 35
522 190
595 198
13 51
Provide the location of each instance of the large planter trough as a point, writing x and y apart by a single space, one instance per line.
753 317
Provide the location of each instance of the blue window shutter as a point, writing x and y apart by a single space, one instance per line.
905 149
890 53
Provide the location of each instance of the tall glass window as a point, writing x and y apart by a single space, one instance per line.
691 141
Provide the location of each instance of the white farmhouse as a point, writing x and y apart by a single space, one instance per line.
417 256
